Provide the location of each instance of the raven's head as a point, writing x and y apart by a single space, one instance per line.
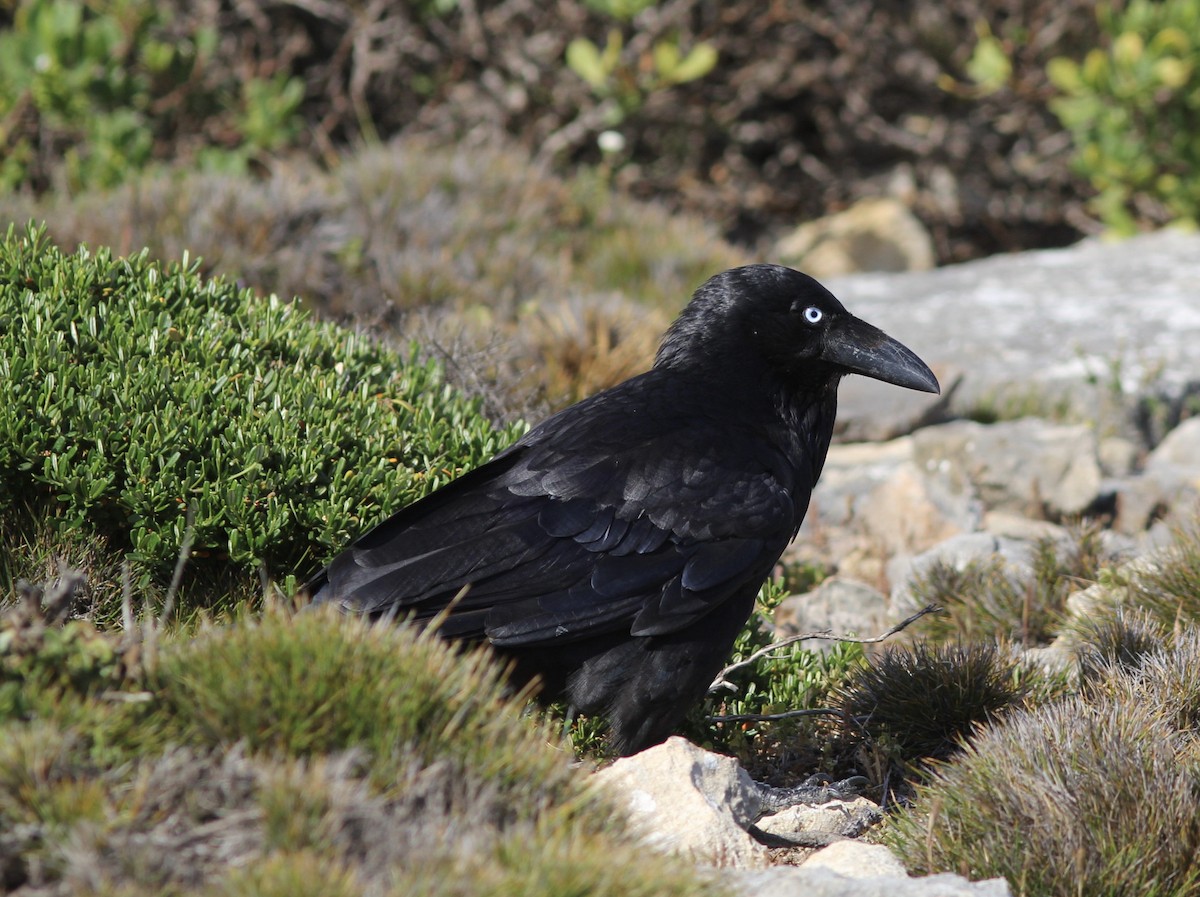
793 324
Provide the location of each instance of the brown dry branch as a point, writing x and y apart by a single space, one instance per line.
722 681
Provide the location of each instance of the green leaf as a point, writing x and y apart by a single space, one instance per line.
698 63
1064 74
1173 73
1128 49
666 58
989 66
584 59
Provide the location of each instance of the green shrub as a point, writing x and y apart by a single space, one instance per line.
1131 108
324 683
307 754
132 391
92 92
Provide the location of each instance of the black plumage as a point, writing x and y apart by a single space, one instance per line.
615 551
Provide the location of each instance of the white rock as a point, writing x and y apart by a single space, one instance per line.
1028 466
1038 321
801 881
1174 466
1180 448
684 800
857 859
846 818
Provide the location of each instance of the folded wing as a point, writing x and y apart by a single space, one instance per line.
556 540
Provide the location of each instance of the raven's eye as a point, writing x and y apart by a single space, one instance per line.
812 314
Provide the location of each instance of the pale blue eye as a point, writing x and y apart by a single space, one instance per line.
812 314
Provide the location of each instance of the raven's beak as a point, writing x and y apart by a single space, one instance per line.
858 347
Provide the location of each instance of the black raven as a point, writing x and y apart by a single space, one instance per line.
615 551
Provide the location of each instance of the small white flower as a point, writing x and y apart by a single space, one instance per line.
611 141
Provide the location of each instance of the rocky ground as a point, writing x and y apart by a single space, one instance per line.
1071 331
687 801
1087 363
1094 354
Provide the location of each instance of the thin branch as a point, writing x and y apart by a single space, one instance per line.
57 600
185 551
151 626
722 682
127 697
127 620
772 717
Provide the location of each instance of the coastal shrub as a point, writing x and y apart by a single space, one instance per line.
91 93
1131 107
913 704
1072 797
290 754
134 393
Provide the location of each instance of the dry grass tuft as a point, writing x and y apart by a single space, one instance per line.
1096 794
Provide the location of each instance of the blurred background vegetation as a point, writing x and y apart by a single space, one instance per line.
1003 124
531 190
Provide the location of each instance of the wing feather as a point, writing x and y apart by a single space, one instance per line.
571 533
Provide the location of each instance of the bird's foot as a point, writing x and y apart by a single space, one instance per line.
814 791
829 816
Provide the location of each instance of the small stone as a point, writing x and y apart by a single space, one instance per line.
844 818
871 235
685 800
1180 449
857 859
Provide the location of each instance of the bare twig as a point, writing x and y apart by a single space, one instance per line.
126 597
151 626
58 599
772 717
185 551
722 682
127 697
